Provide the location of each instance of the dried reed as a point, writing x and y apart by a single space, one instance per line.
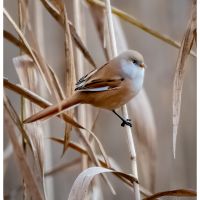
33 62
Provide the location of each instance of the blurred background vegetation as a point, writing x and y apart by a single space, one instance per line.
158 170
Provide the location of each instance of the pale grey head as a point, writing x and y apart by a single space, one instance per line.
134 57
133 68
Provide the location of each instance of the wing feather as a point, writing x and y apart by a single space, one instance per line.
95 81
100 85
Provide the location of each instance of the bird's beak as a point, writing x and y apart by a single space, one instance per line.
142 65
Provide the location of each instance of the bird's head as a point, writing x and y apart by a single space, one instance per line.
134 57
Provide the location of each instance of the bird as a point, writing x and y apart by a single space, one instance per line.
108 87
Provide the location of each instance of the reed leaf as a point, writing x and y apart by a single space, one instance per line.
186 46
82 182
28 77
70 75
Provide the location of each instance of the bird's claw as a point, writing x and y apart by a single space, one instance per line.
126 122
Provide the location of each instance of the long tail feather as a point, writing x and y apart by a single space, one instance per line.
55 109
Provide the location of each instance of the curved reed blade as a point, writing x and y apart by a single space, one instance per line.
80 187
186 46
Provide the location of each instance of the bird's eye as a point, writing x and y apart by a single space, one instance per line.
134 61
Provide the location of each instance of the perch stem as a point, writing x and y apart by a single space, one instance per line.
129 135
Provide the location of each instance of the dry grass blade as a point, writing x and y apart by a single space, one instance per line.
186 46
70 75
15 41
136 22
53 11
176 193
8 106
73 145
28 77
58 17
28 176
37 100
28 46
82 182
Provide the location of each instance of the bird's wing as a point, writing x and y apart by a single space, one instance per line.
86 77
97 85
98 80
90 75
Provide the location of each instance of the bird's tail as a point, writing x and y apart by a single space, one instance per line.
54 110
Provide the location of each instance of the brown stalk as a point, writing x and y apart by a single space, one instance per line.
60 19
70 75
15 118
11 38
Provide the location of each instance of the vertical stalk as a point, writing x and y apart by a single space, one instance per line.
22 100
38 23
83 111
130 141
80 68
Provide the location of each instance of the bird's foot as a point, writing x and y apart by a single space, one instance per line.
126 122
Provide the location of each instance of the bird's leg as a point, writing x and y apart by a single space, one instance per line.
124 121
